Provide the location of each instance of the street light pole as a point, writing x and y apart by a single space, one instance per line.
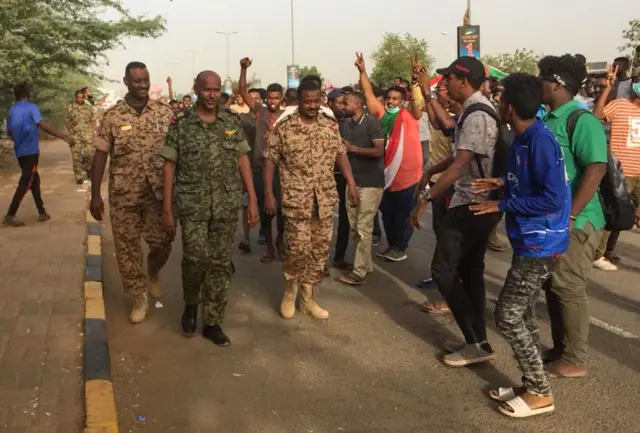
226 35
469 10
193 61
293 53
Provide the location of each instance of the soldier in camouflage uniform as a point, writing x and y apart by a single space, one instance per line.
207 154
132 132
306 146
81 124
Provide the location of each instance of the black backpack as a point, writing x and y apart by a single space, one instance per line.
503 143
618 204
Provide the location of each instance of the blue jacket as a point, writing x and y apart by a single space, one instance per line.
538 201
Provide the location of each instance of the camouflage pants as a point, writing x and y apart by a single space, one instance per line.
515 317
131 220
207 248
82 155
308 242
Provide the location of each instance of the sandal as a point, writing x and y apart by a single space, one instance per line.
427 283
267 259
502 394
518 408
11 221
245 247
435 307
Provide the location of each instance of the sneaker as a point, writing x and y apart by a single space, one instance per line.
396 255
469 354
383 254
451 346
604 265
375 241
353 279
612 257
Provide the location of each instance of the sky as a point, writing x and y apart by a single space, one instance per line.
327 33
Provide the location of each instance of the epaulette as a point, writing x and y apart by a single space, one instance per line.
231 113
326 116
161 102
113 107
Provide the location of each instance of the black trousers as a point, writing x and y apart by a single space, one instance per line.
342 240
458 267
29 180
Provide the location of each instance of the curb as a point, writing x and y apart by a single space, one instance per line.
100 404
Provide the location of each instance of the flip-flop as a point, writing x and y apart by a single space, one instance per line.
520 409
12 222
427 283
435 307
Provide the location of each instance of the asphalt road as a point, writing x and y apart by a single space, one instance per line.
372 367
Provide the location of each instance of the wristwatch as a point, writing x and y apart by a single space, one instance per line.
426 193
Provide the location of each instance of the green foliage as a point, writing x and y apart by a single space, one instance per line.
524 60
631 37
310 70
391 58
55 45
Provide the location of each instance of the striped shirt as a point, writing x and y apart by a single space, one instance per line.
624 117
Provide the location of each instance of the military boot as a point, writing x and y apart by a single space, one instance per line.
155 289
288 305
308 305
140 308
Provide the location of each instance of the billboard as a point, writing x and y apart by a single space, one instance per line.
228 86
293 76
469 41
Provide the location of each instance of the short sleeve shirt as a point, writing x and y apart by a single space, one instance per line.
23 120
478 134
589 146
367 171
624 117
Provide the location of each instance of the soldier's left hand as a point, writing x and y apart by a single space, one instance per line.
354 199
253 215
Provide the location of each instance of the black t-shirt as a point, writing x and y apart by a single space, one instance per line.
367 171
249 125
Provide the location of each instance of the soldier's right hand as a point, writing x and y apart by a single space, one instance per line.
169 221
96 207
270 204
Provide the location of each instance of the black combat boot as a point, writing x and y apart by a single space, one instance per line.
190 320
215 334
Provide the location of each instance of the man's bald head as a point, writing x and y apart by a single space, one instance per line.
205 75
208 87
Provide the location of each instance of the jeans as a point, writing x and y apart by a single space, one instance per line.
396 207
29 180
342 240
439 207
458 267
516 317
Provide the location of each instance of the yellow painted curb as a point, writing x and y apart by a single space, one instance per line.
94 245
101 407
94 308
92 290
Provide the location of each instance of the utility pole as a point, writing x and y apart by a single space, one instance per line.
226 35
469 10
193 61
293 53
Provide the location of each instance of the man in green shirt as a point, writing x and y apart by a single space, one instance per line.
585 159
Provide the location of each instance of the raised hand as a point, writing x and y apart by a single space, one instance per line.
612 77
169 81
360 65
245 62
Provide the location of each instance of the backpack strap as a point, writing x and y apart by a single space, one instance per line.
479 106
572 123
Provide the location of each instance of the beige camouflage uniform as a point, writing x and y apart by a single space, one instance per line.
306 156
134 142
208 195
81 120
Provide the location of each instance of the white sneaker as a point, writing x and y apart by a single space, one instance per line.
604 265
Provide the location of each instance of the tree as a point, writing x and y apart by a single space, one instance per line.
391 58
309 70
53 44
525 61
631 37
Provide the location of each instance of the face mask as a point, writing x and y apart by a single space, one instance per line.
636 89
392 110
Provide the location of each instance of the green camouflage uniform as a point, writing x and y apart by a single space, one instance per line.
80 119
208 194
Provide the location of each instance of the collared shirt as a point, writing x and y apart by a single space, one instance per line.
305 156
367 171
478 134
134 142
589 146
81 118
208 183
22 123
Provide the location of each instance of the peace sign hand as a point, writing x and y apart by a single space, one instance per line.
612 77
360 62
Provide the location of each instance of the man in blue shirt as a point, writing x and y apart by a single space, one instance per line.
23 123
537 205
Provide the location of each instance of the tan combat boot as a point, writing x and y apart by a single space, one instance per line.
155 289
140 308
288 305
308 305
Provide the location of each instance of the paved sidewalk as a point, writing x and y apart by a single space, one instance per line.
41 302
